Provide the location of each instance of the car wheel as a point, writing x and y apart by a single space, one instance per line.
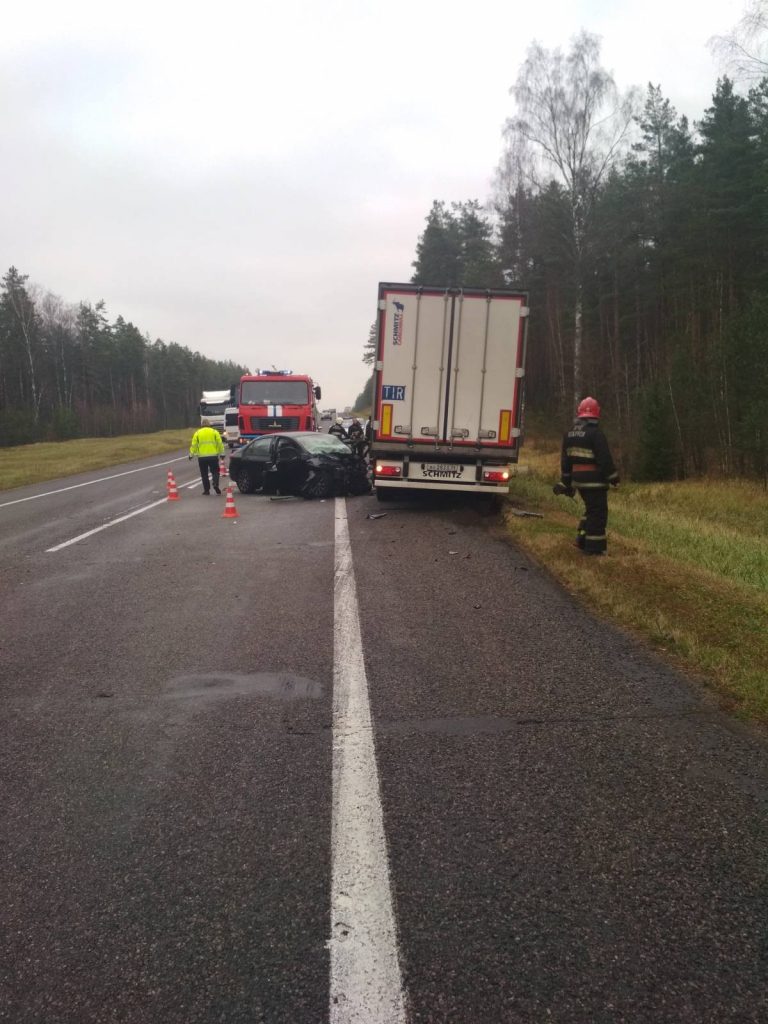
246 482
319 485
359 482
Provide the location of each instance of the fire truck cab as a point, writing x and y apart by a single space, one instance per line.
277 401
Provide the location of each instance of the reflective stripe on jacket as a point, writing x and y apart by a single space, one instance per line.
585 460
206 442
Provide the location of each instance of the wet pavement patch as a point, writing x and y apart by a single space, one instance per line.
218 686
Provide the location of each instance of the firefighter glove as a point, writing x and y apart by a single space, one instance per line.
561 488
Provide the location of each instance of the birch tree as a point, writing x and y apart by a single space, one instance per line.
571 116
21 320
743 51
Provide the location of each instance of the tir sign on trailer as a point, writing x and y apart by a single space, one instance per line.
449 381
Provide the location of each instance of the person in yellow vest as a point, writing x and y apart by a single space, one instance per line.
207 446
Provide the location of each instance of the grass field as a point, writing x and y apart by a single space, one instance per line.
687 569
687 563
33 463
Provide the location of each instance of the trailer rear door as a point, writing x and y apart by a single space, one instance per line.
450 366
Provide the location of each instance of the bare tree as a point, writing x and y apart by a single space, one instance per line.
22 316
572 117
743 51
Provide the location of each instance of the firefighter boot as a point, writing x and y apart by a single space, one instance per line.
581 533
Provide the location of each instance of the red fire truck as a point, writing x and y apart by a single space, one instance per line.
278 400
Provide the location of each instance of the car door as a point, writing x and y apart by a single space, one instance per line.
290 468
253 459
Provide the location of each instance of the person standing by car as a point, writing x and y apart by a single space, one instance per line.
586 466
356 439
207 446
338 429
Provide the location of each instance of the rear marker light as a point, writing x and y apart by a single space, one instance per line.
387 470
496 475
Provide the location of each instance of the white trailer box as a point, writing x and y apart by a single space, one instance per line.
213 405
448 389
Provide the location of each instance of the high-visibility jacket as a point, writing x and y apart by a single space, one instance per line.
206 442
586 459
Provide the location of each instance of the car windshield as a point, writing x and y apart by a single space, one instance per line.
212 409
324 444
274 392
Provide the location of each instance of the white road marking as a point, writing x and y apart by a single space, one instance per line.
366 985
88 483
120 519
106 526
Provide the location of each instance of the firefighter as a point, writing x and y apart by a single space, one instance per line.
586 466
356 437
207 446
338 429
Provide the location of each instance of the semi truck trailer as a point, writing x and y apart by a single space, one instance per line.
448 389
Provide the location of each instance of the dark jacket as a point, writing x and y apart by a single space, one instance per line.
585 460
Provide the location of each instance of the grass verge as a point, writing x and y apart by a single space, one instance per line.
34 463
687 569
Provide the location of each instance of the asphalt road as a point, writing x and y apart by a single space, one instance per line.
554 826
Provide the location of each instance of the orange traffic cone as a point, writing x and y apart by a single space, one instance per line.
230 512
222 467
173 494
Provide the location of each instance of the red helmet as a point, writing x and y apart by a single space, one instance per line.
589 409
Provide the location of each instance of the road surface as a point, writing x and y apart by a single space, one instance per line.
308 766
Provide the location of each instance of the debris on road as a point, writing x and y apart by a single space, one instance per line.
521 512
375 515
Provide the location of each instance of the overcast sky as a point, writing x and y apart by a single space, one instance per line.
238 176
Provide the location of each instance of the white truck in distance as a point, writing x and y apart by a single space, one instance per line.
213 405
448 389
231 426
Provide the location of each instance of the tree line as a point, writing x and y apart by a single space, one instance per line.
642 240
66 371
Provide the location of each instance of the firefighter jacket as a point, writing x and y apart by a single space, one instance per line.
206 442
585 460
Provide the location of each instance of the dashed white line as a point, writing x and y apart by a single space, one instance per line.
106 526
365 980
114 522
89 483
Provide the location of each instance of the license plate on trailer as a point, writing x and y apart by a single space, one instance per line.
437 471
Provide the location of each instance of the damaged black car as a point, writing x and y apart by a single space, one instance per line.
309 465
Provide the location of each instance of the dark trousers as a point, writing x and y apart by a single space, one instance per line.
590 535
209 464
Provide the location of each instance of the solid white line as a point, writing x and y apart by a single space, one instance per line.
88 483
106 526
366 986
